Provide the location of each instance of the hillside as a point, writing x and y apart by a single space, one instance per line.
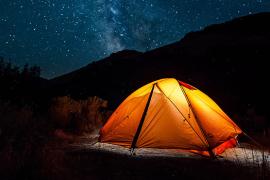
227 61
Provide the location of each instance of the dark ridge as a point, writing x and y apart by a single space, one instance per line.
228 61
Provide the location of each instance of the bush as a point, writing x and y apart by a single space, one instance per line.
82 116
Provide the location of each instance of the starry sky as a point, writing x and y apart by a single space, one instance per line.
64 35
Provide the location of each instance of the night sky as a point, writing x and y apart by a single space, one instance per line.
64 35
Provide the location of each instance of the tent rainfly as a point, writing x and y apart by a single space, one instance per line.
170 114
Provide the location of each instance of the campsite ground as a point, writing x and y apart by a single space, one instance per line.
86 159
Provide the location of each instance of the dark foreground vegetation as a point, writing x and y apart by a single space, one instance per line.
32 122
39 117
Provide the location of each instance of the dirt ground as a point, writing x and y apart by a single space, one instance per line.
244 153
85 158
106 161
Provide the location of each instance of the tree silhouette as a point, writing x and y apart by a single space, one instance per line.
35 71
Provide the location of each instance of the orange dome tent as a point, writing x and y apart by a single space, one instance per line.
170 114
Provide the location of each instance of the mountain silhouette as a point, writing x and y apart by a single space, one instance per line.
228 61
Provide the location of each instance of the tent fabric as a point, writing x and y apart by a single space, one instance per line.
179 116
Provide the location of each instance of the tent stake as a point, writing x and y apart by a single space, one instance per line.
211 153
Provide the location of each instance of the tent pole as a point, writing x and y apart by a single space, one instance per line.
211 153
136 136
181 114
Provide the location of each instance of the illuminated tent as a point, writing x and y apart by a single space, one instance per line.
170 114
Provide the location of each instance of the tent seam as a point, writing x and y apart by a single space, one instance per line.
195 116
181 114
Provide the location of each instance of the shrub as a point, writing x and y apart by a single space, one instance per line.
82 116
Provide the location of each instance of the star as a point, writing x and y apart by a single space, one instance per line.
61 36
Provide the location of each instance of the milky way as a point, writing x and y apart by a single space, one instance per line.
63 35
